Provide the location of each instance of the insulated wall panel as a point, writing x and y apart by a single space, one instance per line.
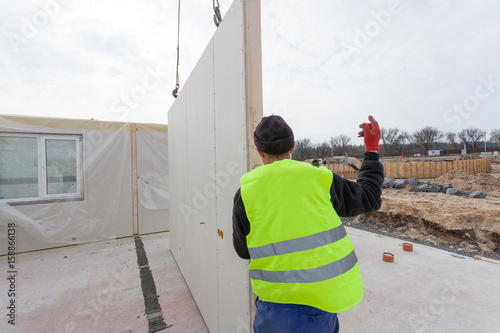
208 151
177 169
230 122
201 221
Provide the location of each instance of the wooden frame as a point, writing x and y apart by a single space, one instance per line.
253 64
135 200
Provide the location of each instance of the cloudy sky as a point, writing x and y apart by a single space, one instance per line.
327 64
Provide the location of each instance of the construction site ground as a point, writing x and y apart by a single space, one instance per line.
97 288
463 225
439 287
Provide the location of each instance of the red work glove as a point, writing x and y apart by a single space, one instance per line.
371 134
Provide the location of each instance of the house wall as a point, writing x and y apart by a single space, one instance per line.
106 209
208 153
152 178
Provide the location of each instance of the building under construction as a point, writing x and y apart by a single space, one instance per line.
126 227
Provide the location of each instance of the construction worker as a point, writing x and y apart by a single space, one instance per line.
303 266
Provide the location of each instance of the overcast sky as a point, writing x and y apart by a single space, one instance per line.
327 64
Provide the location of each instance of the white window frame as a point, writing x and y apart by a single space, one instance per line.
43 197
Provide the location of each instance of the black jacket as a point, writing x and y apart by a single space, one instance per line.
348 198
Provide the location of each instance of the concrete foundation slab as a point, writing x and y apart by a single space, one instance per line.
97 288
178 306
94 288
427 290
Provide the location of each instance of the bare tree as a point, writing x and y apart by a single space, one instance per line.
304 149
471 136
322 150
495 136
393 139
462 136
426 137
402 142
357 150
452 139
340 144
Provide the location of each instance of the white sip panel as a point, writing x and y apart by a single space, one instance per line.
202 224
177 171
207 151
231 152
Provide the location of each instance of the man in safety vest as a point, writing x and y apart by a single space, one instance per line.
303 266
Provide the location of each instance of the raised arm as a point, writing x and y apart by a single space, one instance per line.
363 196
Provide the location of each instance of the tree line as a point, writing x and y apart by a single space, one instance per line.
395 141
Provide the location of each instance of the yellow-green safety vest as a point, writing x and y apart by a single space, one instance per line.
300 252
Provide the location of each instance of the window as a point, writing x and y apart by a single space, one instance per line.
40 167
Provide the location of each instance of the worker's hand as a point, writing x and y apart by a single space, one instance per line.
371 134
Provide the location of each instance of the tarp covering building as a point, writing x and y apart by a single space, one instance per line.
66 181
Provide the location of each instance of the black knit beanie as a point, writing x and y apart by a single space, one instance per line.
273 136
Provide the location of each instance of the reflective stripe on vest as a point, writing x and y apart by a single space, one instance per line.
317 274
301 253
299 244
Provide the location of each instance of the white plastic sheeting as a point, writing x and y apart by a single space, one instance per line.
152 166
152 178
153 191
105 210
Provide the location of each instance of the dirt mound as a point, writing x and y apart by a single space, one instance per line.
465 224
353 160
467 182
495 167
468 157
